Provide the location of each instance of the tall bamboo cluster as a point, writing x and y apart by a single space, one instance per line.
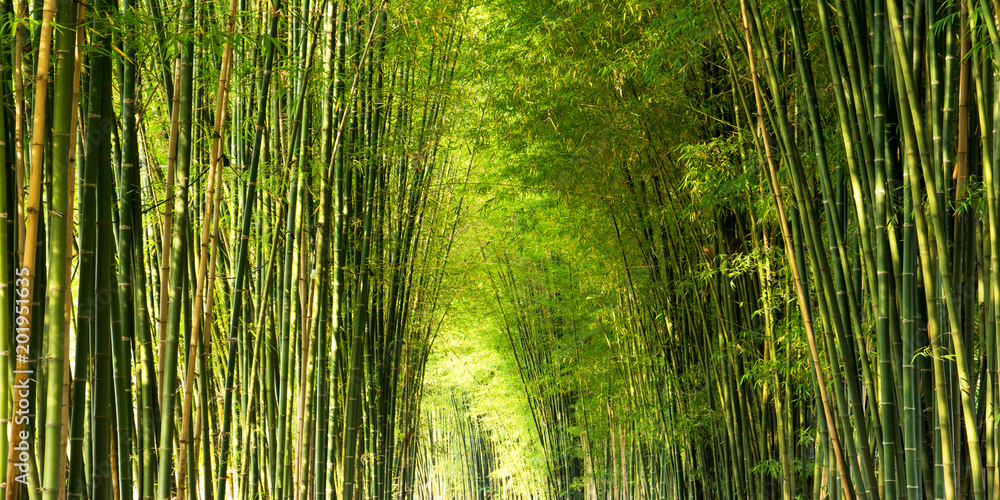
658 348
804 274
699 387
536 324
870 129
234 218
898 230
457 458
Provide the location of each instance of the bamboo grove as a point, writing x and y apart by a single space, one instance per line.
756 255
579 249
230 222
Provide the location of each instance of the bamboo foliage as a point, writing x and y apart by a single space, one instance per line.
871 128
811 269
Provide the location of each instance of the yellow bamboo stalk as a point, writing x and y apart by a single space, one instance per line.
22 13
32 213
212 208
799 287
168 216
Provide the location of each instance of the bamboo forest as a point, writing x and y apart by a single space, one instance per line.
499 249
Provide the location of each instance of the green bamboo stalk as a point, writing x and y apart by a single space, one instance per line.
123 315
290 287
68 311
990 172
325 316
55 307
130 289
178 233
6 319
914 134
102 386
79 481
